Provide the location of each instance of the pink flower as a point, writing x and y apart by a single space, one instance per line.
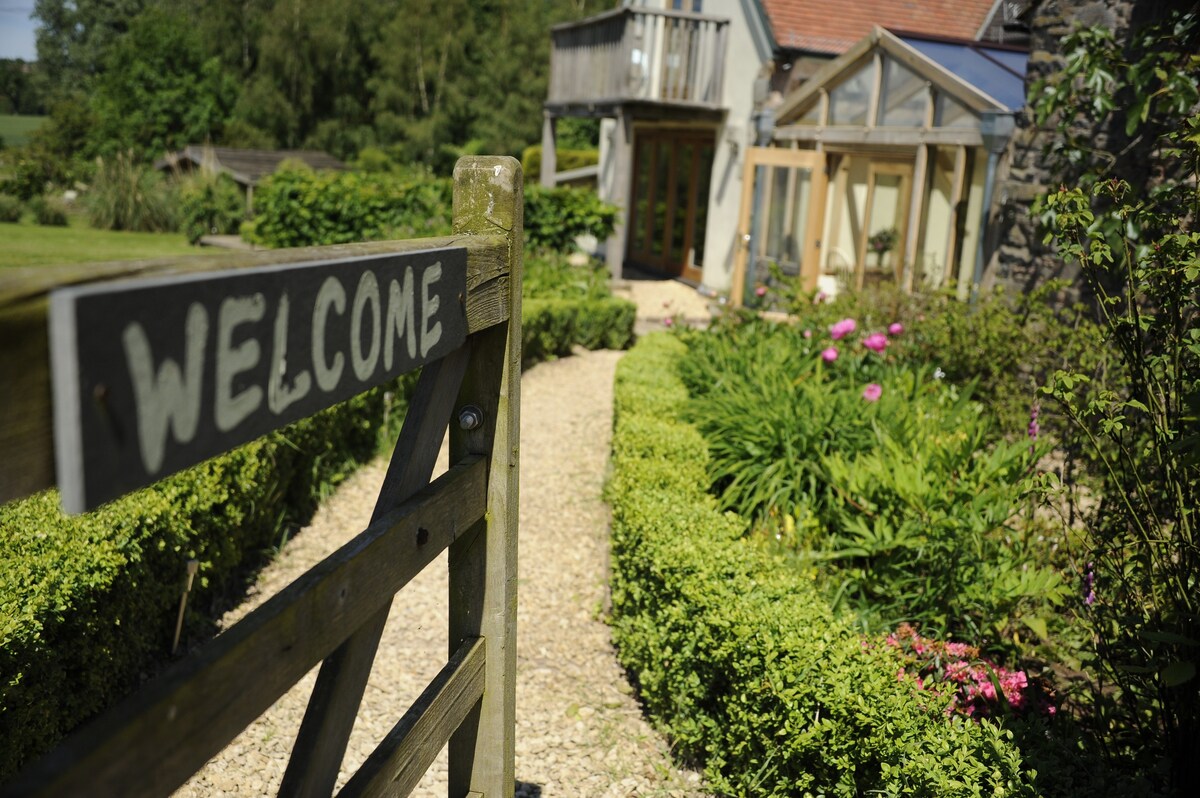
819 298
841 329
876 342
872 392
760 291
895 328
808 333
829 355
668 321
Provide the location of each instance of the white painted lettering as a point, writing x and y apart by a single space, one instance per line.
366 293
400 318
280 396
166 397
230 410
429 306
331 293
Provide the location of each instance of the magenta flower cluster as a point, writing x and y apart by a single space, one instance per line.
877 342
956 671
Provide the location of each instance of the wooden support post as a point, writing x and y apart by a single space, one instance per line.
956 195
549 150
916 211
488 200
622 155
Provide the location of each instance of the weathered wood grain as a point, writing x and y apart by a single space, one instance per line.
483 565
329 719
25 408
152 742
396 766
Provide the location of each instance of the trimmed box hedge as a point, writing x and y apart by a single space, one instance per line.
550 327
744 666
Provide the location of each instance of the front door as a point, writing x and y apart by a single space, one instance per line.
783 210
669 213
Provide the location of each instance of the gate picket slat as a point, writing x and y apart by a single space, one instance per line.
317 754
396 766
152 742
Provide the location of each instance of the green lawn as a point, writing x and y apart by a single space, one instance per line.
28 244
15 130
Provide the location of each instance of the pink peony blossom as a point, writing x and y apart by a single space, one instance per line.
808 333
760 291
841 329
895 328
872 392
829 355
876 342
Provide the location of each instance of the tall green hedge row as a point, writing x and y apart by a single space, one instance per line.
745 667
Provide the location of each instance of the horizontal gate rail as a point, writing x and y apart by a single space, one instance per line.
26 420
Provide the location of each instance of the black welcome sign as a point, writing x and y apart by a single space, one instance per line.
151 376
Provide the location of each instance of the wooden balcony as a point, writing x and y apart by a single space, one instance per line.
637 55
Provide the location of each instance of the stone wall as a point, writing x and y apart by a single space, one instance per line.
1019 259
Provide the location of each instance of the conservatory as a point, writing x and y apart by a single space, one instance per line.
882 168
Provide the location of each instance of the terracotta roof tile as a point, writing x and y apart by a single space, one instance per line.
833 26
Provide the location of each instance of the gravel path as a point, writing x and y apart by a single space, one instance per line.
579 730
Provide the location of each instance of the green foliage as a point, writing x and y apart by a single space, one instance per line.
565 160
297 207
11 208
49 211
158 90
210 204
551 275
128 195
908 496
88 603
554 217
1140 256
739 659
20 92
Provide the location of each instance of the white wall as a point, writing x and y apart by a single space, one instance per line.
744 63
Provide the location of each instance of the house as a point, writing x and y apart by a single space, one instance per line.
246 167
714 147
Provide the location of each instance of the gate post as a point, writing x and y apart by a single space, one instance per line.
489 200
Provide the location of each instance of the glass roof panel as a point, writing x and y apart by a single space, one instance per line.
996 72
904 99
848 101
948 112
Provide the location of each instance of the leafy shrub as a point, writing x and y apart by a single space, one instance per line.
555 217
551 327
127 195
550 275
49 211
210 204
891 474
297 207
565 160
11 208
740 660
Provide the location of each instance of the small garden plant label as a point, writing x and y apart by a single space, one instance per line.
152 376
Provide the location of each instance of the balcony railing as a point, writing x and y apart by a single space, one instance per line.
631 54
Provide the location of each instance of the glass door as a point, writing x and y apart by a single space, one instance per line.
885 224
783 209
670 201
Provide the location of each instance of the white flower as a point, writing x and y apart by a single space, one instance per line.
938 374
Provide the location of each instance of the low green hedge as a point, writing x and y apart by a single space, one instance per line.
745 667
551 327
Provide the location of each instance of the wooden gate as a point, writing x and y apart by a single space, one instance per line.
155 740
